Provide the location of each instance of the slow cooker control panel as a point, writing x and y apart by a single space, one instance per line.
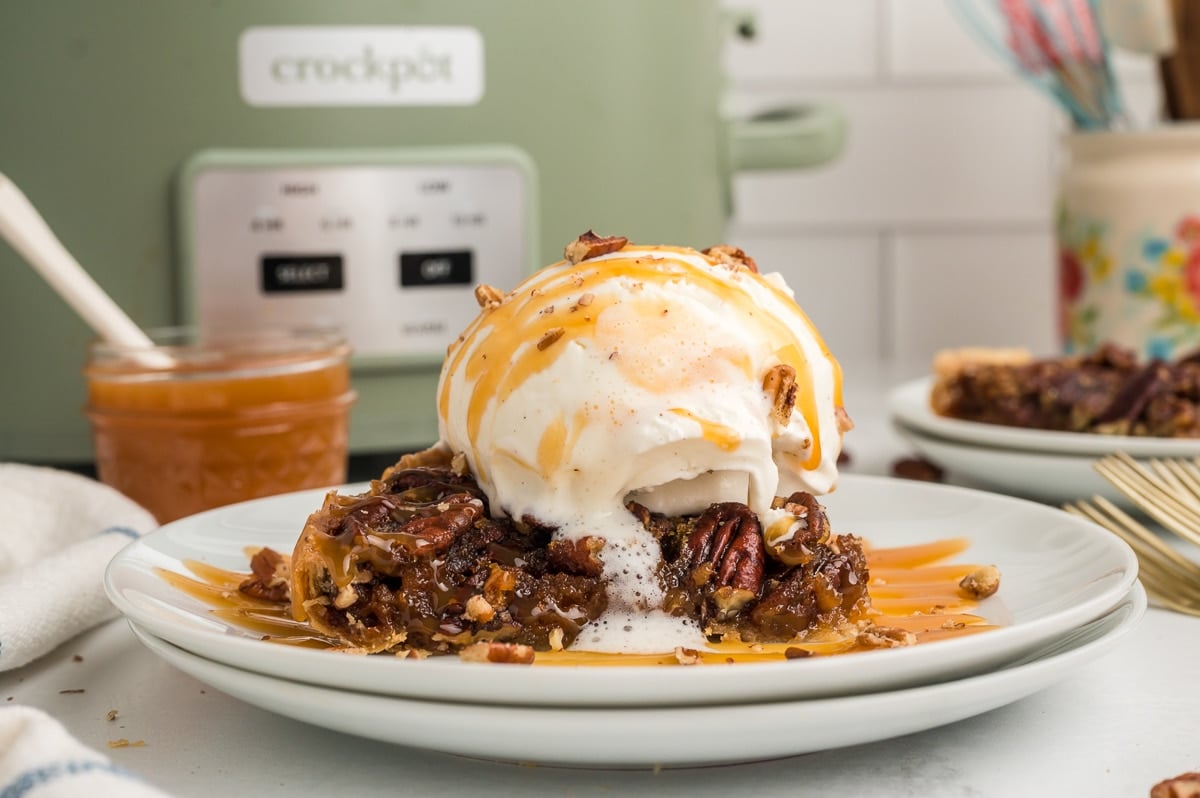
387 246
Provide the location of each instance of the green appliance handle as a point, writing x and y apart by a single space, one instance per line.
795 137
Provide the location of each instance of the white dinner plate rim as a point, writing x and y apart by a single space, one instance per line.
1016 472
909 403
670 736
885 669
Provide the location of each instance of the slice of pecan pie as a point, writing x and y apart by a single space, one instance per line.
1107 391
418 564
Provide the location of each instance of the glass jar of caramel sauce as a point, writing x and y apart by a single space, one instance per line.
197 422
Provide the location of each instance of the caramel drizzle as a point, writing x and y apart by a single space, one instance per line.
910 589
509 333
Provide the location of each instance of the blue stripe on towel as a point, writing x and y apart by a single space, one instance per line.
132 534
41 776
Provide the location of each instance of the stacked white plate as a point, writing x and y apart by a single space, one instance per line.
1068 594
1037 464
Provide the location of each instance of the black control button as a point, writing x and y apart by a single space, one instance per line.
436 268
285 273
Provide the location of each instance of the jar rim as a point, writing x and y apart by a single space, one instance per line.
195 353
1093 143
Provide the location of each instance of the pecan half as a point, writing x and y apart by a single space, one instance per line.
590 245
732 256
780 384
509 653
436 533
725 550
1185 785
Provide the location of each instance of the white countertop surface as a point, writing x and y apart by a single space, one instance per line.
1114 728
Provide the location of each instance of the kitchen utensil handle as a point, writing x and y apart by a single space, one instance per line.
25 229
795 137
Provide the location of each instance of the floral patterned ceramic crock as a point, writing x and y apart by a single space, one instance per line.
1128 234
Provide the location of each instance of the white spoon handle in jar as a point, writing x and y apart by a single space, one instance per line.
25 229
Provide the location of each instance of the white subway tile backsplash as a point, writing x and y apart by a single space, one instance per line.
916 155
836 280
927 39
932 39
971 289
933 229
805 40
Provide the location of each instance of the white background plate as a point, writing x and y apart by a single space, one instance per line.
1035 475
661 736
1058 572
909 404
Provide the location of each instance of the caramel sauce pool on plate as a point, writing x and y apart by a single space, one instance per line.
911 588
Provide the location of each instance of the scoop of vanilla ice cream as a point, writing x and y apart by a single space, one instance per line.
655 374
640 374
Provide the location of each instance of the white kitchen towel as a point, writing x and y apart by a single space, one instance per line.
39 759
58 531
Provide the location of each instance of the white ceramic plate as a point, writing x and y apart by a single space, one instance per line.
909 405
1043 476
1058 572
675 736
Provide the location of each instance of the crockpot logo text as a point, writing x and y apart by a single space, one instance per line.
349 66
397 70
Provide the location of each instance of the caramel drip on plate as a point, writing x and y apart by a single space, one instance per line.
218 589
910 590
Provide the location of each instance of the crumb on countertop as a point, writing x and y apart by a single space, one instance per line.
124 743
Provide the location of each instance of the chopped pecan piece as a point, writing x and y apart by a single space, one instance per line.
686 656
549 338
580 556
811 529
271 577
917 468
981 583
478 609
732 256
590 245
780 384
487 296
1133 398
885 637
507 653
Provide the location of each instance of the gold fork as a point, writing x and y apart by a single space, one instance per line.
1169 492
